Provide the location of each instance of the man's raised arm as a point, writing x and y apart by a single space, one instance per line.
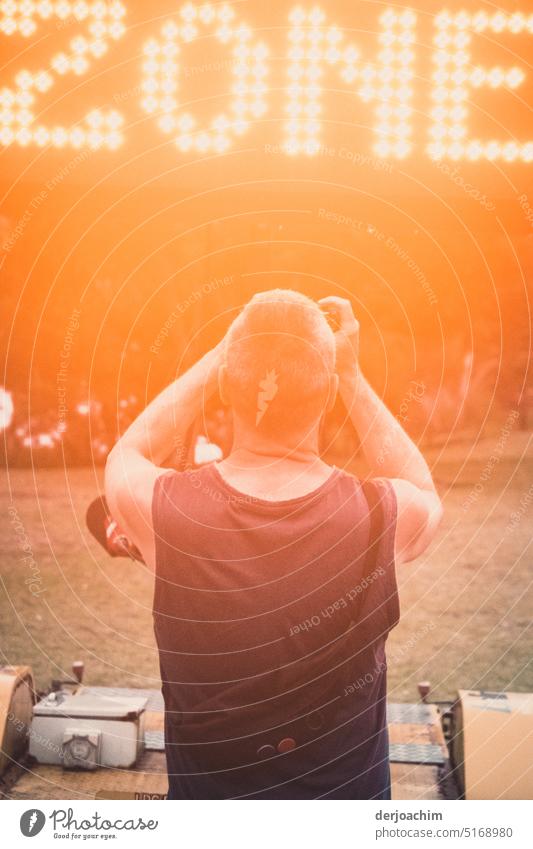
135 461
388 449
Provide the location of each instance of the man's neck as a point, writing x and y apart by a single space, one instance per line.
250 449
275 470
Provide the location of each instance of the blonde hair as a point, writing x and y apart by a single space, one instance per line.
280 354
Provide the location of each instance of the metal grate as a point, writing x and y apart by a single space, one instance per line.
154 741
415 753
409 714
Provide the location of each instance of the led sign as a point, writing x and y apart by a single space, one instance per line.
315 47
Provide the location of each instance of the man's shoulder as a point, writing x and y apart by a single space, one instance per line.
174 484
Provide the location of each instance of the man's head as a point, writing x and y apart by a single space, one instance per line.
279 372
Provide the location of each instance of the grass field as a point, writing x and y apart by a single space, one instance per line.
466 604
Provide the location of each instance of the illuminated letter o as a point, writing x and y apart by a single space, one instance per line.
161 74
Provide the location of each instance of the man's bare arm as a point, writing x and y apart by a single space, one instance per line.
388 449
134 464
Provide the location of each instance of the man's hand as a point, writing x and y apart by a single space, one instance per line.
346 329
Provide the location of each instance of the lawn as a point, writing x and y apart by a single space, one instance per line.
466 603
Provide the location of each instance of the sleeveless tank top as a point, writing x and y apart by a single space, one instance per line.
271 620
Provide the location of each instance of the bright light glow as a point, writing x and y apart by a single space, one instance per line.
314 46
454 76
314 52
6 408
103 23
160 81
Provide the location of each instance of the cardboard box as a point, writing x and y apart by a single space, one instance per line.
492 749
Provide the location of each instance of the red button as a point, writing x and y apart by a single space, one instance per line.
286 745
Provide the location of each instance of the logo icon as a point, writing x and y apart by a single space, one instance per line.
32 822
269 387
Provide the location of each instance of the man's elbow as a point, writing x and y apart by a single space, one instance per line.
430 520
113 478
109 469
436 513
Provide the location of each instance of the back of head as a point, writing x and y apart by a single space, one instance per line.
279 359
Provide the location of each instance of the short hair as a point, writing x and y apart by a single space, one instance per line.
280 355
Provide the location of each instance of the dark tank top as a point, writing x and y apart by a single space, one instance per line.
271 620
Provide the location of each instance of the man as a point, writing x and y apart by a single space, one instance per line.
275 583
